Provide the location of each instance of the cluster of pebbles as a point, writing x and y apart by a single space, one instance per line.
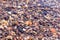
28 20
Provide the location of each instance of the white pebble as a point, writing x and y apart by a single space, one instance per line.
24 29
19 6
38 4
9 12
26 5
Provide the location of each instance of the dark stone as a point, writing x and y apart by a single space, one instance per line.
25 15
44 12
8 9
47 34
1 30
1 35
35 18
31 33
20 29
13 12
42 23
25 18
6 18
39 38
6 34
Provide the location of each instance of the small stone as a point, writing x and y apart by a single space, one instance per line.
27 1
9 37
1 27
44 12
20 29
13 12
1 35
13 33
24 29
28 23
53 30
5 26
7 9
30 38
38 4
9 13
26 5
4 22
6 33
19 6
6 18
48 16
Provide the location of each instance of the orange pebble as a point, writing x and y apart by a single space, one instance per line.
28 23
53 30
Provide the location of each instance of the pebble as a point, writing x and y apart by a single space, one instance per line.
28 23
9 13
20 29
7 9
53 30
13 12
